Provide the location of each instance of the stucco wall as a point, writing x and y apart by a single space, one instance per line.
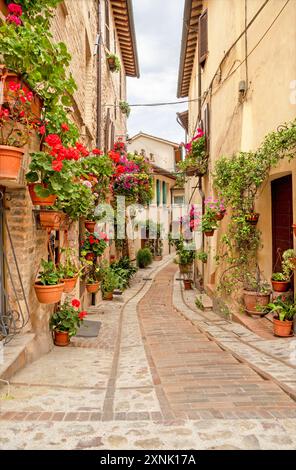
242 125
158 152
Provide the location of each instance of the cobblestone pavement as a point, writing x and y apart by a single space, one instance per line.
161 375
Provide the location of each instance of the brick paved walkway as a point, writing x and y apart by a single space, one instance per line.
154 379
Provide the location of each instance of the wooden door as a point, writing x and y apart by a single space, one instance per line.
282 218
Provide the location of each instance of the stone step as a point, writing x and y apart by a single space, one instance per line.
15 355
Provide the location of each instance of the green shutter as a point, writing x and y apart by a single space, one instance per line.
158 192
164 193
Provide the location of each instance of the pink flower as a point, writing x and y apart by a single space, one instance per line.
75 303
87 184
15 9
14 19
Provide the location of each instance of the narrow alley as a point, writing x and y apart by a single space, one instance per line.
153 380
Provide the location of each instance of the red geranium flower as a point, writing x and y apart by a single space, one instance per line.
64 127
53 140
97 152
75 303
57 165
15 9
81 315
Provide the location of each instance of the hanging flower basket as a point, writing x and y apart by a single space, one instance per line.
93 288
108 296
294 229
49 294
10 161
220 215
252 218
90 225
52 219
90 256
70 284
195 171
40 201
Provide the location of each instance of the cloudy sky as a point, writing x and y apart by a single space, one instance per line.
158 30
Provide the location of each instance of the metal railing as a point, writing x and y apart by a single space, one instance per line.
13 317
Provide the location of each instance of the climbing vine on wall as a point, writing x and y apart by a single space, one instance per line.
238 179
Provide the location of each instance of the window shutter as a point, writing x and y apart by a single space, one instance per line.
158 192
203 37
164 193
107 25
112 135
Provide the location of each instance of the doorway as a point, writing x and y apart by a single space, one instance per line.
282 219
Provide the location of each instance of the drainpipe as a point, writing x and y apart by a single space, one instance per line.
200 190
99 81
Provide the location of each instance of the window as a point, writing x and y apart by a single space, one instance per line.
158 191
179 200
164 193
203 38
107 25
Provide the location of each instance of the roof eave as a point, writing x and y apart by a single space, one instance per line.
186 19
133 36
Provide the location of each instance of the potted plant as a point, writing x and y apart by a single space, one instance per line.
113 62
125 108
49 286
209 222
256 294
93 277
252 218
65 322
202 256
185 258
144 258
69 270
16 127
280 282
93 245
110 282
283 315
125 270
187 281
196 159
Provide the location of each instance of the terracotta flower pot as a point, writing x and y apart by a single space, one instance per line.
253 299
220 215
40 201
10 161
158 258
49 294
90 256
108 296
111 63
209 233
294 229
51 219
61 338
282 328
194 171
280 286
70 284
90 225
93 288
187 284
252 218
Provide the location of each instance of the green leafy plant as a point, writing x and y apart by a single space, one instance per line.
125 108
68 317
280 277
289 262
114 62
50 274
254 282
237 179
144 258
202 256
110 281
284 310
124 270
69 268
